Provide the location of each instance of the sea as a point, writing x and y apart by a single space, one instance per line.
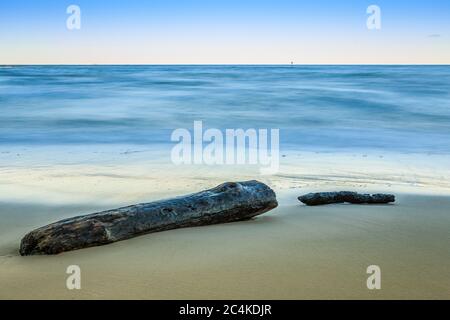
398 108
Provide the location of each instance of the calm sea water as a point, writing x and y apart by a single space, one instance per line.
396 108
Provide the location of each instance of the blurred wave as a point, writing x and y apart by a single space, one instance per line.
400 108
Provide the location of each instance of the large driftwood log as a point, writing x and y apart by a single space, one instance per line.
231 201
314 199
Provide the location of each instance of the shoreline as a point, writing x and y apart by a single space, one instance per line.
129 175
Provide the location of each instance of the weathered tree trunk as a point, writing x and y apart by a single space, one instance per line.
231 201
314 199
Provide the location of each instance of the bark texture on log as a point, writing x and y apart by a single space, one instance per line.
231 201
319 198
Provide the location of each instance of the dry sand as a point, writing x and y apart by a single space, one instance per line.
292 252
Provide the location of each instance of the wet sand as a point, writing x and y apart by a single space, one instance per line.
292 252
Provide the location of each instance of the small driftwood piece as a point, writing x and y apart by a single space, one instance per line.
319 198
228 202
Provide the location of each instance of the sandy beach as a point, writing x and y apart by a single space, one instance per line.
291 252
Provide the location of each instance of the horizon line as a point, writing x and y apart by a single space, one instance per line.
224 64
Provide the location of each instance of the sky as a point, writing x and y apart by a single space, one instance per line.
224 32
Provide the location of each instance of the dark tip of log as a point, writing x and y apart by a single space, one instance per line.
231 201
320 198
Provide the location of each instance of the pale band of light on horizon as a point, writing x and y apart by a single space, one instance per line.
229 32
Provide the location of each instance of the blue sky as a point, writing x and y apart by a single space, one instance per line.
199 31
